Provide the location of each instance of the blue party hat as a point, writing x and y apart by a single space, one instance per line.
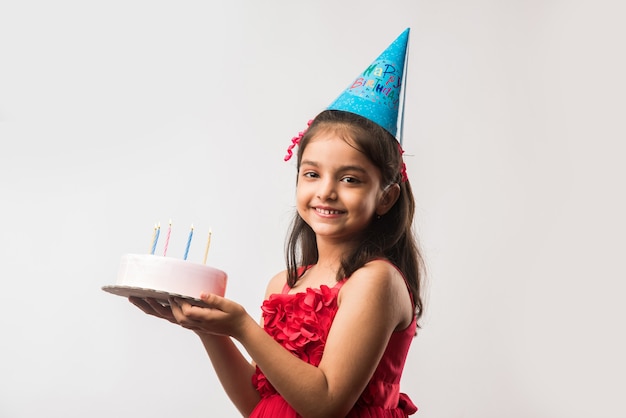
377 92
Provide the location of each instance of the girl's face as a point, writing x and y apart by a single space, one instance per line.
339 188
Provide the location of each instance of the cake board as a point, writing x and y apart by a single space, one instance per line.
161 296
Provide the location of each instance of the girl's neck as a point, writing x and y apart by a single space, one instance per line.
324 272
331 254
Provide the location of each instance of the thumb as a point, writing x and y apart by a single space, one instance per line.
211 299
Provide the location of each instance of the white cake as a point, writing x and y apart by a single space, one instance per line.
146 275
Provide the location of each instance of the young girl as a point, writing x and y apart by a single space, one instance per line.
338 322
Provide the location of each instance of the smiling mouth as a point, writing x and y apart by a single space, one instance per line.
328 211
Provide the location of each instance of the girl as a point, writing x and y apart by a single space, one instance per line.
337 324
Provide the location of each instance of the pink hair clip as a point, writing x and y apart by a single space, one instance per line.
295 141
403 168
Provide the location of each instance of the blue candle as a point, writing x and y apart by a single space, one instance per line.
188 242
156 237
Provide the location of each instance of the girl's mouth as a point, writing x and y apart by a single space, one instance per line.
328 211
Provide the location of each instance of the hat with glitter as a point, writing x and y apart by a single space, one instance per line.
377 92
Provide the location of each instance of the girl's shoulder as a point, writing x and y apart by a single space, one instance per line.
379 270
379 283
378 274
276 284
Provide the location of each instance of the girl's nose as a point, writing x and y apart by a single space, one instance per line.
327 191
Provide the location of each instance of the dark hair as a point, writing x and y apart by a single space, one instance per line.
390 237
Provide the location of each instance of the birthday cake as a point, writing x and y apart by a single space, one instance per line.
147 275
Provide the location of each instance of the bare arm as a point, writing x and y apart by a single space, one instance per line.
233 370
373 303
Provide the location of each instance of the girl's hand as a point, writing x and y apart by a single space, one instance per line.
153 307
221 317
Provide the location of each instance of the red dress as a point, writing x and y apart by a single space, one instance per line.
300 322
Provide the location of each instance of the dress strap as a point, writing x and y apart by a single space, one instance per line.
340 283
286 288
301 271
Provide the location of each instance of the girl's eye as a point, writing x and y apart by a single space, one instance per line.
309 174
351 180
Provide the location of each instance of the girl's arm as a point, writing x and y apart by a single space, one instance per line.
232 369
373 303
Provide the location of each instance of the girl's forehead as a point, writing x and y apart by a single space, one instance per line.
332 150
338 129
331 133
329 143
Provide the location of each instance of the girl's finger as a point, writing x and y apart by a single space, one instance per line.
141 304
213 301
162 310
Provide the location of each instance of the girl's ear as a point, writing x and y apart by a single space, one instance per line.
388 199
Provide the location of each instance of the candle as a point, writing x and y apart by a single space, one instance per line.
167 239
155 238
206 250
188 242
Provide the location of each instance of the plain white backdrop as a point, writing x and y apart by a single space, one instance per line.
116 115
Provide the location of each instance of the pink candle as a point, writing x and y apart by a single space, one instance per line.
167 239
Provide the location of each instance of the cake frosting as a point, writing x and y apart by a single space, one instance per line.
148 275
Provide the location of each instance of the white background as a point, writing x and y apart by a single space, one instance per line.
116 115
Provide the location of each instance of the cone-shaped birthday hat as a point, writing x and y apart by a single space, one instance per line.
377 92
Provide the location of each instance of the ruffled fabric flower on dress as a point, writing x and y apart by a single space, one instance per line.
299 322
